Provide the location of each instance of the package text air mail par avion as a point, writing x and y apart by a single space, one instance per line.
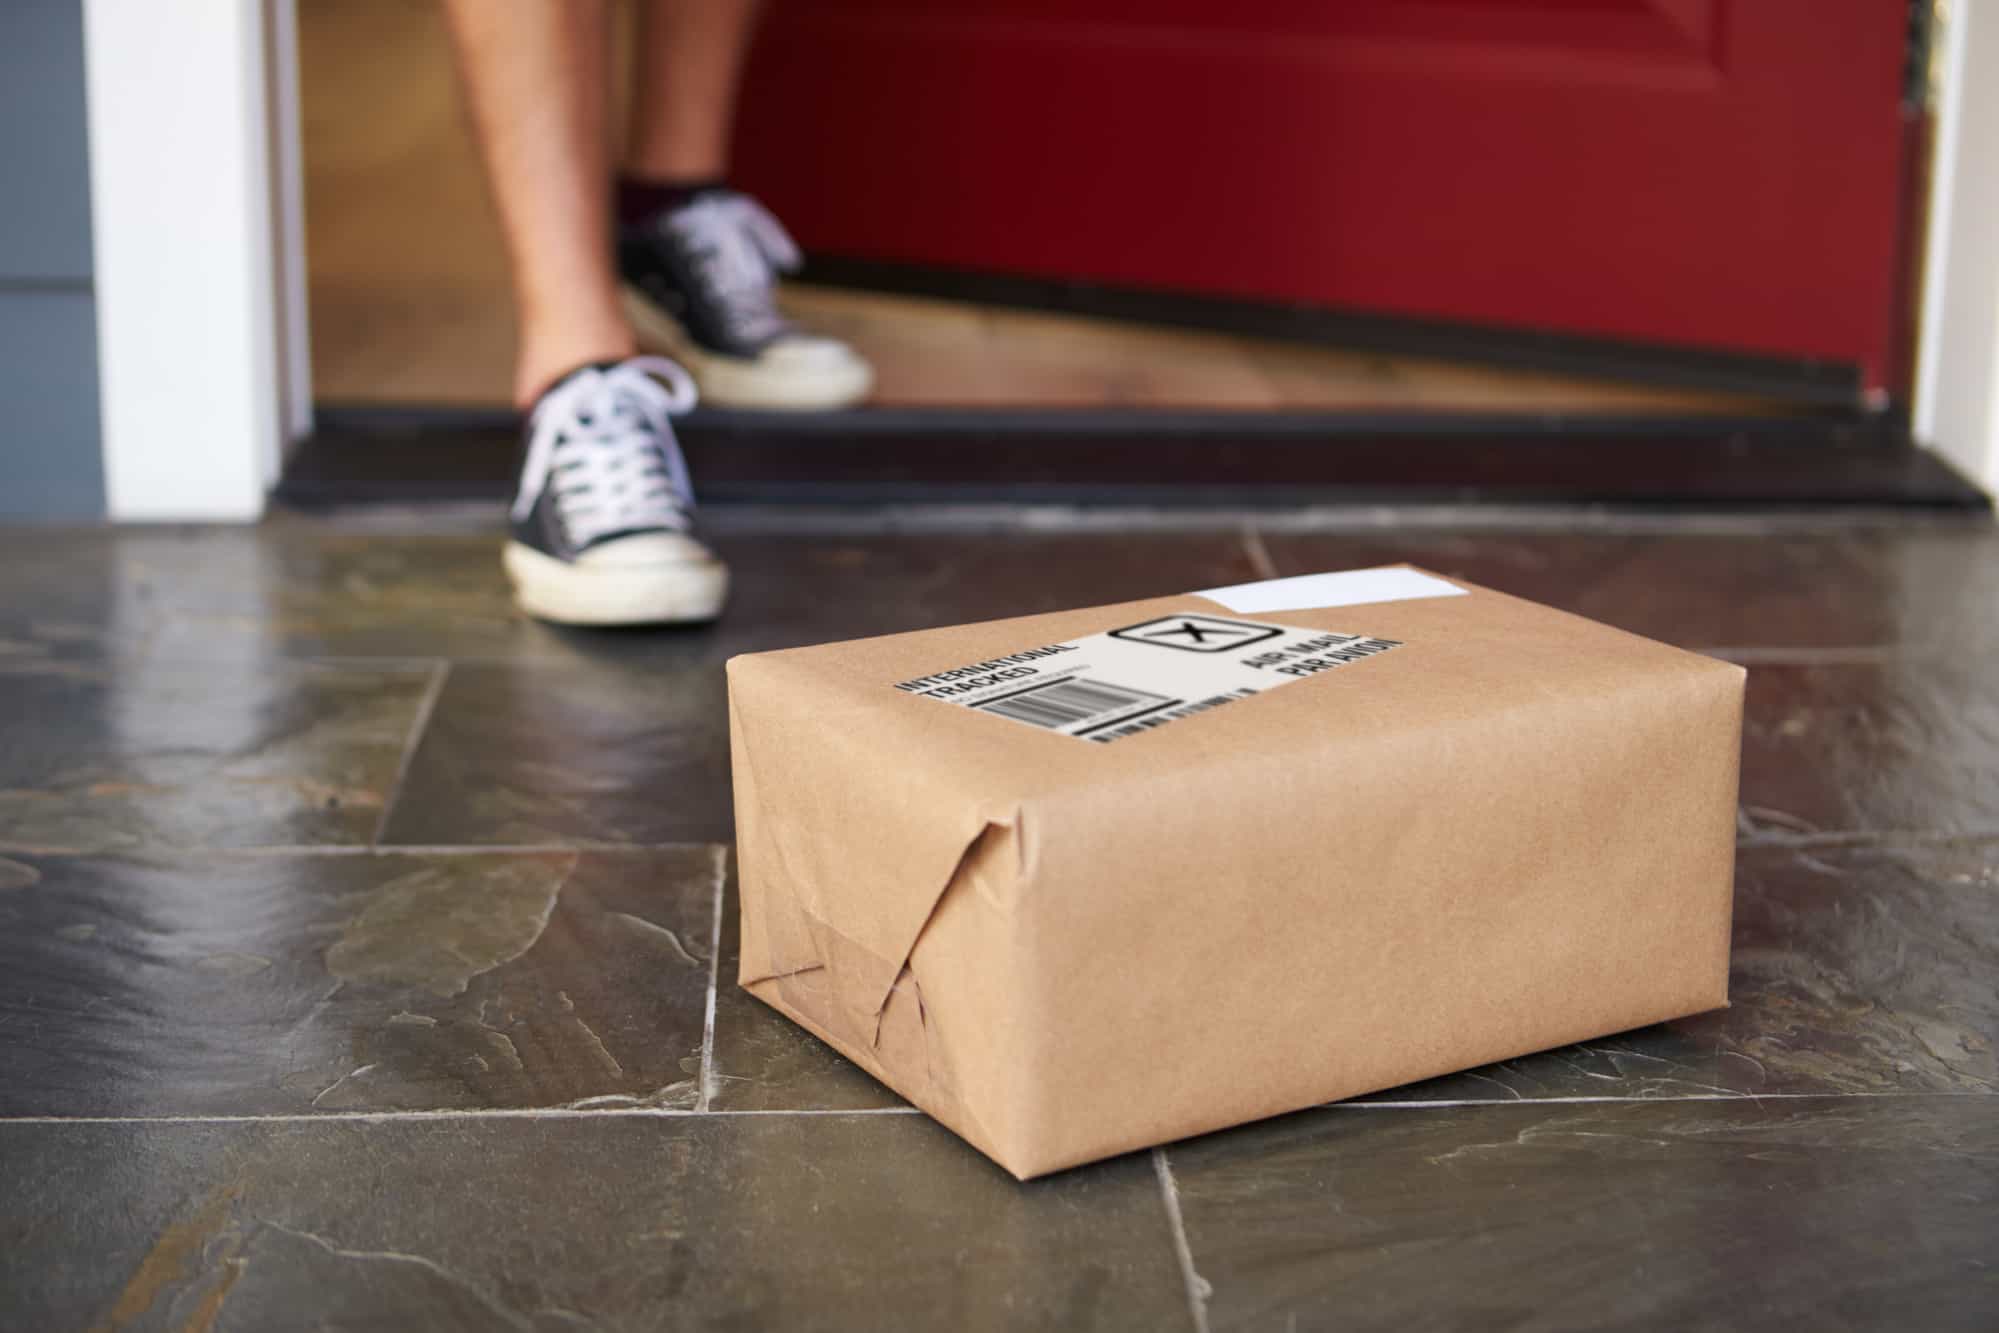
1085 882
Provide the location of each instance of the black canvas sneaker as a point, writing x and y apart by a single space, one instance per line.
602 530
700 286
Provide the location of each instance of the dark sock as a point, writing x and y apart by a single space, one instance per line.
640 201
565 377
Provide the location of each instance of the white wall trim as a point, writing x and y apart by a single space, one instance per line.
1957 365
288 180
185 227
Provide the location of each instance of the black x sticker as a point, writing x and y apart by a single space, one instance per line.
1197 633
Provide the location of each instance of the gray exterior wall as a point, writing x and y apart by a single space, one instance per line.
51 460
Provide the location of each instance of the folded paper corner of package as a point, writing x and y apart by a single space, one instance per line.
1084 882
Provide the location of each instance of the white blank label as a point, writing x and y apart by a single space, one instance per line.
1352 587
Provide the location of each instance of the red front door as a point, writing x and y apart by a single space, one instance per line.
1713 173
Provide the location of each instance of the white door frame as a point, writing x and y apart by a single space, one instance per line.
1956 407
197 203
198 235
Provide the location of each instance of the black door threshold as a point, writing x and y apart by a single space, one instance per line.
1799 381
1179 459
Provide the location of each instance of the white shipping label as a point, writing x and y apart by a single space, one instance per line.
1109 686
1347 587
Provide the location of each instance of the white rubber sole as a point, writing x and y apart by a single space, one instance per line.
728 381
654 594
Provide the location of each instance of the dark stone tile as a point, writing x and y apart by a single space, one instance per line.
267 984
120 754
579 753
303 588
800 590
1850 591
307 590
1908 743
1936 582
625 1222
1899 746
762 1061
1755 592
629 743
67 594
288 587
1807 1214
1855 970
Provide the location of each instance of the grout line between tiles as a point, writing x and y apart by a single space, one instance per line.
482 520
1445 1103
708 1080
1852 655
514 848
1253 547
1258 553
681 1113
1199 1289
418 725
306 657
1747 842
1252 543
1337 519
1861 839
477 1113
370 849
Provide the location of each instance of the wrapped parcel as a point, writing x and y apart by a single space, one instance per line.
1086 882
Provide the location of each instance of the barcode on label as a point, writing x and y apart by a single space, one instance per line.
1171 666
1067 702
1160 719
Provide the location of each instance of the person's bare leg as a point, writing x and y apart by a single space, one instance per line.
600 530
536 76
688 60
701 262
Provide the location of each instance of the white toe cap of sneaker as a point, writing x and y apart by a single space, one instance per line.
804 352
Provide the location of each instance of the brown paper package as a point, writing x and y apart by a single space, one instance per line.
1513 831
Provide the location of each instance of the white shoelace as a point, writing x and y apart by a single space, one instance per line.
603 443
739 249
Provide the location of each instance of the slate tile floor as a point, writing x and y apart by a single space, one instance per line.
365 949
